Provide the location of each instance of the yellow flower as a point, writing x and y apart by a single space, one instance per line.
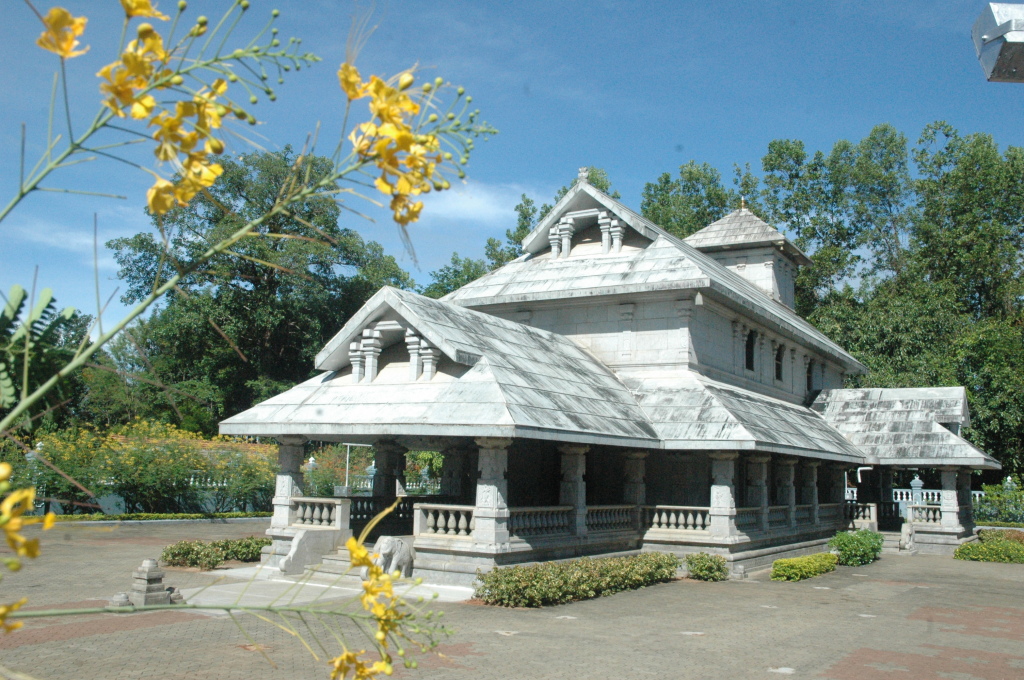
62 31
141 8
5 471
160 197
143 106
351 82
6 609
405 211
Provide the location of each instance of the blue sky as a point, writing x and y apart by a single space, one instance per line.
635 88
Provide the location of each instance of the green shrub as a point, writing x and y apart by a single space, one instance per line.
1013 525
1002 503
550 583
799 568
705 567
857 547
1001 535
992 550
192 554
246 549
208 556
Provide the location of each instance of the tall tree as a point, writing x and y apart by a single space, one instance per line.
697 198
250 323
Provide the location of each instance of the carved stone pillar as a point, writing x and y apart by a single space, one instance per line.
617 231
355 355
565 231
573 489
371 352
634 490
604 222
809 492
289 479
949 503
491 513
412 343
722 515
389 469
453 470
555 240
786 487
684 309
757 486
963 485
431 357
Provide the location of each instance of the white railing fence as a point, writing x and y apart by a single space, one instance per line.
676 517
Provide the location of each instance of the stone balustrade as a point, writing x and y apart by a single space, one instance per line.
925 514
433 519
830 512
748 519
804 515
861 511
316 512
677 517
611 518
540 521
907 495
778 516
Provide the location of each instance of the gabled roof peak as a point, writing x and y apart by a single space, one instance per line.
743 229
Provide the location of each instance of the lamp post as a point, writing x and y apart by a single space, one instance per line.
998 36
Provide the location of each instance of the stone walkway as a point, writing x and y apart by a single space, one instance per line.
903 617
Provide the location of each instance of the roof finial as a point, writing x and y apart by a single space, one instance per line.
743 202
583 174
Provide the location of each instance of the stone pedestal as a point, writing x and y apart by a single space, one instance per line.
490 512
148 585
722 515
950 502
573 489
757 487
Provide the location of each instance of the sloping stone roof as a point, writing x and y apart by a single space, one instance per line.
690 411
903 426
668 263
504 379
742 228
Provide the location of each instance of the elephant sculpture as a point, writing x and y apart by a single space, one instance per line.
392 554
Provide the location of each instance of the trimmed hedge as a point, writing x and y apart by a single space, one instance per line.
145 516
1001 535
705 567
799 568
1011 525
855 548
550 583
208 556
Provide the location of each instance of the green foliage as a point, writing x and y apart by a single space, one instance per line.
209 555
857 547
551 583
247 549
1015 525
799 568
1001 535
1001 503
206 556
696 199
992 550
248 323
455 275
33 332
705 567
153 516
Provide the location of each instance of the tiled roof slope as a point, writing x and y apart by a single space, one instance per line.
690 411
522 382
902 426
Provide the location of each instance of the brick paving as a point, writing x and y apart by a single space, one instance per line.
903 617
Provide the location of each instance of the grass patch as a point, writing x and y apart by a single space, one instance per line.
145 516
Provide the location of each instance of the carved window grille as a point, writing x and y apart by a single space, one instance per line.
780 357
751 349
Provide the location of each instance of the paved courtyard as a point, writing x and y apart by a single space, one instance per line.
903 617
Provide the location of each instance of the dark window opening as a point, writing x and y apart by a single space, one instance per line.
751 343
810 376
780 356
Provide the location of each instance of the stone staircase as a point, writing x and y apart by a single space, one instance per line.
891 545
335 564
